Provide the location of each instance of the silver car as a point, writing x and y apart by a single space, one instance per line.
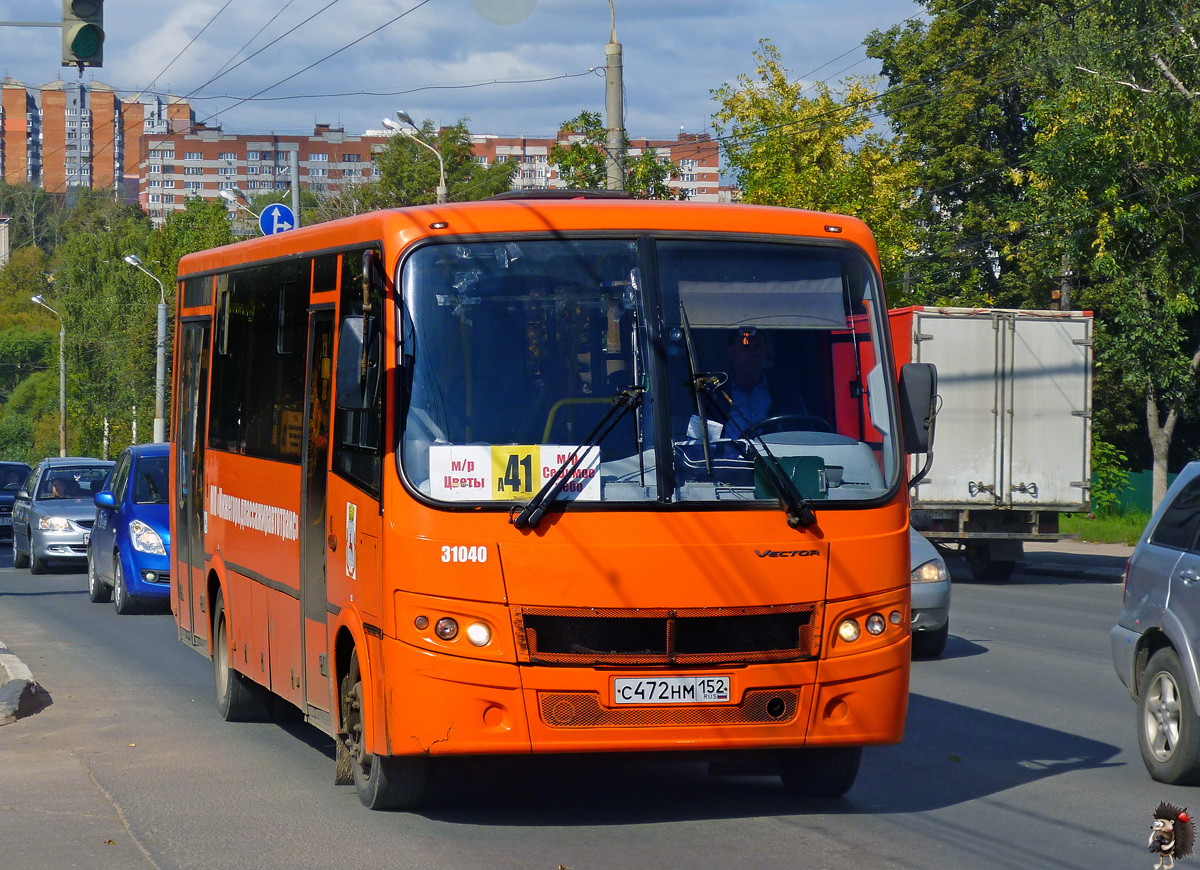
1155 640
53 511
930 598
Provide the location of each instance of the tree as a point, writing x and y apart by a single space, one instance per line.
1124 216
958 98
409 172
583 161
816 152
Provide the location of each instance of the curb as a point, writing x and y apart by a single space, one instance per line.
20 694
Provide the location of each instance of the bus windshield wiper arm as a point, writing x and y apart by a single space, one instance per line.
702 385
530 515
798 508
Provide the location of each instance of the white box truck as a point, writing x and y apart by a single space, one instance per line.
1013 431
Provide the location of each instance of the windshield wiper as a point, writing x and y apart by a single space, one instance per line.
799 509
702 384
530 515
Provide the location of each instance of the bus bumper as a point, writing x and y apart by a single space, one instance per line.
449 705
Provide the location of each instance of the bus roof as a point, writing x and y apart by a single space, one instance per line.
400 227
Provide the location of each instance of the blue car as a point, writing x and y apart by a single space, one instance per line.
129 553
12 477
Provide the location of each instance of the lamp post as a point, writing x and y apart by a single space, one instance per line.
62 374
231 197
160 350
412 134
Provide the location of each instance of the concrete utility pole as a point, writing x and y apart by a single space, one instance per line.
614 107
294 166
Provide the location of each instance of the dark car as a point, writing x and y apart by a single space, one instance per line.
53 511
1155 639
129 553
12 475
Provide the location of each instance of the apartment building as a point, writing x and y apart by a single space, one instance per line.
150 149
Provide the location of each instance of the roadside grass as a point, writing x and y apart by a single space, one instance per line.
1114 528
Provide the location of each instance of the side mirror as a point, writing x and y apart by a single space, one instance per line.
104 499
918 406
22 493
357 363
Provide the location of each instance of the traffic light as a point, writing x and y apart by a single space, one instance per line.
82 33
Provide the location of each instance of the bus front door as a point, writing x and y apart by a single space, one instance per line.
188 545
313 593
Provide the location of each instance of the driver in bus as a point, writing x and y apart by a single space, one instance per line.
753 395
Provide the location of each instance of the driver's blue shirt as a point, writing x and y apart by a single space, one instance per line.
748 407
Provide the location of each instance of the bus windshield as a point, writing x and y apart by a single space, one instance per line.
744 354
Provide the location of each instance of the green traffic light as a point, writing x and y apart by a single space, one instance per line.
86 41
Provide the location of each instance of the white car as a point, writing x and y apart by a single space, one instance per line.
930 598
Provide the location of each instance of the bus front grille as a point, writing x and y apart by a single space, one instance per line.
699 636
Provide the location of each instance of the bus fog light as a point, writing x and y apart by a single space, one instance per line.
848 630
446 628
479 634
875 624
894 617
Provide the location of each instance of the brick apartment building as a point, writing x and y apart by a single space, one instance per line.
150 149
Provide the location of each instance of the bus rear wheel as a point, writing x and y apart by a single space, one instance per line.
238 699
382 782
819 773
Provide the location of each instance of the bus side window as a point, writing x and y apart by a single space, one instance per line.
358 435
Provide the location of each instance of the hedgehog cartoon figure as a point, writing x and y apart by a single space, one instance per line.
1172 836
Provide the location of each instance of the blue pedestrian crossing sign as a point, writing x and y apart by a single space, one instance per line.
276 218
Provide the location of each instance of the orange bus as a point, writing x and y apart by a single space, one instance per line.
548 475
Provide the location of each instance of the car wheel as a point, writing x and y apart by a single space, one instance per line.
238 699
382 782
1168 730
20 560
819 773
36 565
930 644
99 592
122 600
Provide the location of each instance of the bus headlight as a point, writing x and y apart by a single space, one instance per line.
849 630
479 634
145 539
875 624
446 628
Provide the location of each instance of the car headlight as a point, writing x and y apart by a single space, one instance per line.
145 539
933 571
54 524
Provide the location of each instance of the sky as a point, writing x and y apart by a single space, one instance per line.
282 66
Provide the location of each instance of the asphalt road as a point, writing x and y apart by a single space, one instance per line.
1019 752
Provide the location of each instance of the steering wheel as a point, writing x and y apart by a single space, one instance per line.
788 422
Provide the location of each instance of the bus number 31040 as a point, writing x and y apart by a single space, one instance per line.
464 554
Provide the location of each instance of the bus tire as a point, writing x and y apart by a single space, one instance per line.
819 773
382 782
238 700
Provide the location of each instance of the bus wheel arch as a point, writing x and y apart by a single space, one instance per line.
383 782
239 699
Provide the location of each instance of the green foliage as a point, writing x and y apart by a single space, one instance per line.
1110 471
817 152
583 161
1115 528
201 225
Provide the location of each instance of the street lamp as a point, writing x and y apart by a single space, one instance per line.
62 374
160 350
231 197
412 134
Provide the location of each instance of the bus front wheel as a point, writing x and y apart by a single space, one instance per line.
382 782
819 773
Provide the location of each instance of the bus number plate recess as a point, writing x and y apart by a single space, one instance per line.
672 690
